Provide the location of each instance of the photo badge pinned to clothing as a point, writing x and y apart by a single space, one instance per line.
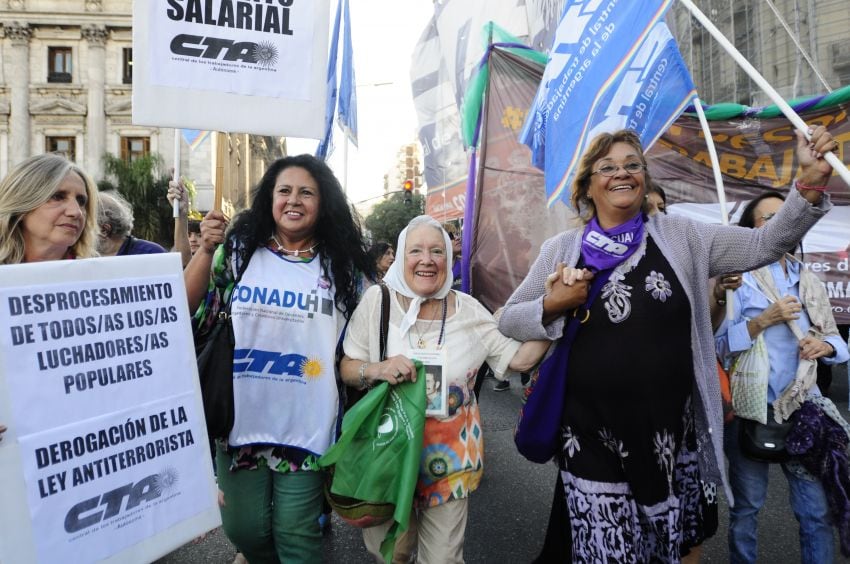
436 388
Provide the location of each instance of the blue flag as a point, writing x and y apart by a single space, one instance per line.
194 137
326 144
347 83
613 65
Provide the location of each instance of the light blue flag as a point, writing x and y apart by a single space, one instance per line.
347 84
326 144
613 65
194 137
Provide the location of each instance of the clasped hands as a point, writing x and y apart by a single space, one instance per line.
566 289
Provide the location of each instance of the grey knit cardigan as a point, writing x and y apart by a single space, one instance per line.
696 251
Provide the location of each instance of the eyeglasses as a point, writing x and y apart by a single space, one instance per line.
767 216
611 170
452 236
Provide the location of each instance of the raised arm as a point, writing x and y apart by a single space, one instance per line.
814 170
196 275
737 249
177 191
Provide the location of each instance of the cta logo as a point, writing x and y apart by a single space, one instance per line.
94 510
606 244
263 54
275 363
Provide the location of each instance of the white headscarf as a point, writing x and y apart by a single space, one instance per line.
394 278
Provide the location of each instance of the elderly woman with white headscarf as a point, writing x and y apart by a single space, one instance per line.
428 318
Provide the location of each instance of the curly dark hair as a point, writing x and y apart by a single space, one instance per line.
337 229
748 216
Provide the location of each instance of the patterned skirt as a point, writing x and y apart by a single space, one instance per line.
635 501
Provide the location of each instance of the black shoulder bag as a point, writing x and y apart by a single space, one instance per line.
353 394
215 372
764 442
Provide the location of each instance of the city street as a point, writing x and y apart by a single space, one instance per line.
509 512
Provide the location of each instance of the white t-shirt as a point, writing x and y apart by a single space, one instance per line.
285 328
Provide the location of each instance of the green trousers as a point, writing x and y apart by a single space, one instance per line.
269 516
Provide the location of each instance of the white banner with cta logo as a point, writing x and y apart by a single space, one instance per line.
250 67
106 456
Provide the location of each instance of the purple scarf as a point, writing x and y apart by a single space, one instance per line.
605 249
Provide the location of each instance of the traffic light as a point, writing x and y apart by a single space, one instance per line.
408 191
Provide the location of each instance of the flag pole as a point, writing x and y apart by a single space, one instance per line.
345 164
718 185
175 207
220 155
783 106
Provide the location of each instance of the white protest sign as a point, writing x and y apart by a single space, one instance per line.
106 455
248 67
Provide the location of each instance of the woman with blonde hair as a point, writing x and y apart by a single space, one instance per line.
48 211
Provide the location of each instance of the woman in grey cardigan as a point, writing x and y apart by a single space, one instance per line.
642 420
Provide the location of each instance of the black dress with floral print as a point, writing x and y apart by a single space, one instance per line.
628 463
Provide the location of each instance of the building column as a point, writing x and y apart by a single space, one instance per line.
19 79
96 115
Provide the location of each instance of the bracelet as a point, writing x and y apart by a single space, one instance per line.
361 374
801 186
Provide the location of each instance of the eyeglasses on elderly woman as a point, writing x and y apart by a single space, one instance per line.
611 170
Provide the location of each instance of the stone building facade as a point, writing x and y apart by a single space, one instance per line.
66 82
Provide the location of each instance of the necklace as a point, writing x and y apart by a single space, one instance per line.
421 343
296 252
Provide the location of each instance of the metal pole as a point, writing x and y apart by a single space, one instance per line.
175 208
718 184
345 164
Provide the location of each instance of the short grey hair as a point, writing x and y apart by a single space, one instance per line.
117 212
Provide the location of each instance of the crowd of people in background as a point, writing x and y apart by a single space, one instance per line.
636 326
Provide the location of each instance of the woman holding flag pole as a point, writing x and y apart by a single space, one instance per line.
641 420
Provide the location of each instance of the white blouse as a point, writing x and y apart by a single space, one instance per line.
471 337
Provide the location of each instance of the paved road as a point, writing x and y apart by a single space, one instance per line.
508 513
